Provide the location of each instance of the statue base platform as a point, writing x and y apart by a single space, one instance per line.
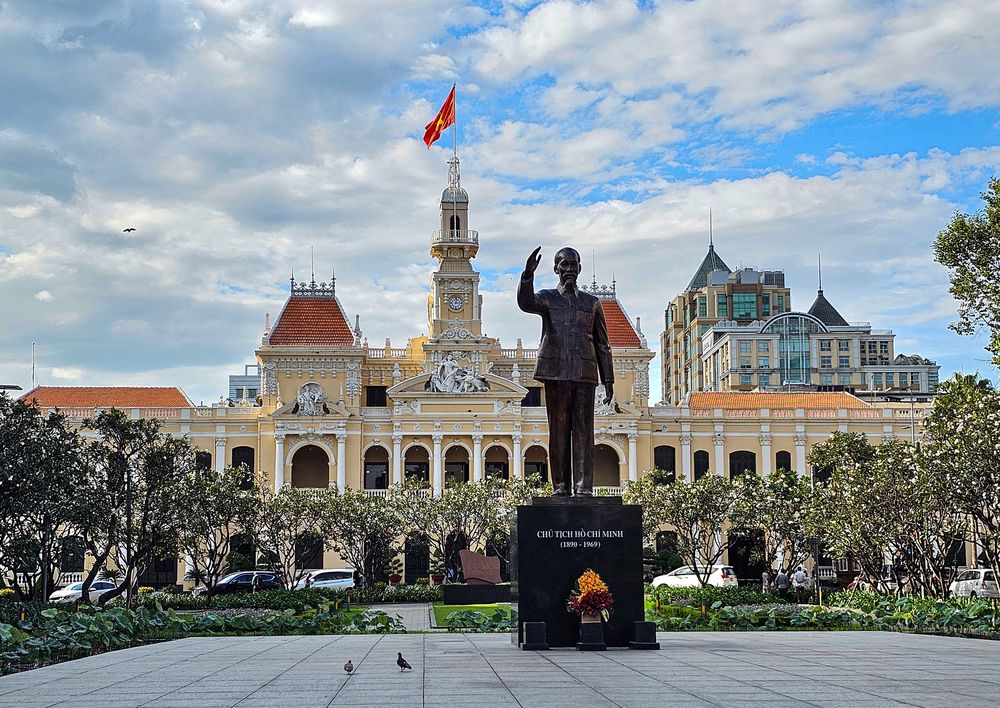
554 540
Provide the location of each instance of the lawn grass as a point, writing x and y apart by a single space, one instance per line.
441 610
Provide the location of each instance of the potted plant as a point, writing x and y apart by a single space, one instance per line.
395 570
591 601
437 568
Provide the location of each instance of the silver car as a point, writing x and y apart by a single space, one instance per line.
340 579
974 583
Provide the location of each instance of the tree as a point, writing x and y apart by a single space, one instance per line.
127 506
213 509
362 529
284 520
962 447
41 465
885 505
970 248
777 507
697 512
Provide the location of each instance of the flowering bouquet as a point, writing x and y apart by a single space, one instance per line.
590 596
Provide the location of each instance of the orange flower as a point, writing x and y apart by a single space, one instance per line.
590 581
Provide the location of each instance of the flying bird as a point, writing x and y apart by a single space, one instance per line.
349 667
130 228
401 662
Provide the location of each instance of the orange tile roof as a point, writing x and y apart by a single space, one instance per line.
312 320
740 399
108 397
620 330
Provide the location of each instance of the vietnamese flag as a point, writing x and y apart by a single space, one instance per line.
445 118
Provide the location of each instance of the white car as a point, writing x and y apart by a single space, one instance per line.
339 579
974 583
72 593
722 576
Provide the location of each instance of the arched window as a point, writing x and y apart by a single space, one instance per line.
456 466
203 460
606 464
455 222
665 460
742 462
783 460
700 464
497 463
310 467
309 553
377 468
536 461
416 465
244 456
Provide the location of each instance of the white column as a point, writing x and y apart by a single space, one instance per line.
766 466
518 466
719 438
477 457
279 461
686 457
633 463
341 462
397 459
220 452
800 453
438 464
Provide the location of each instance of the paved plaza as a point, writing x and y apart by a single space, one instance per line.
693 669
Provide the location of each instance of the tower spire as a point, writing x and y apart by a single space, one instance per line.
819 269
711 235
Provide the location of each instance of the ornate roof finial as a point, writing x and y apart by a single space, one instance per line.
711 235
819 268
293 279
267 322
333 279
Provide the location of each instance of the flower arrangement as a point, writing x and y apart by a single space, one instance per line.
590 596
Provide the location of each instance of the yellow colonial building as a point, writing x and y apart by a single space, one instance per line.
328 409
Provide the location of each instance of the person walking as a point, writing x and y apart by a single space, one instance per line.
781 583
799 580
765 580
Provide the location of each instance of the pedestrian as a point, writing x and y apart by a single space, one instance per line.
765 580
781 583
799 580
255 583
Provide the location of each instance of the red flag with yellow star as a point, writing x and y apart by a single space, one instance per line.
444 119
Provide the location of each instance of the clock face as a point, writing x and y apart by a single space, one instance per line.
455 303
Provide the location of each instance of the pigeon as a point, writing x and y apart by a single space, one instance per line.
130 228
349 667
402 663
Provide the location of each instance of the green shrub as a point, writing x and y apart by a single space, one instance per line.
696 597
473 621
293 599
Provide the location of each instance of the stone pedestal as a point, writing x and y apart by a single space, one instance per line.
554 541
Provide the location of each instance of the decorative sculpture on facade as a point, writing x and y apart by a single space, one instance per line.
450 377
310 400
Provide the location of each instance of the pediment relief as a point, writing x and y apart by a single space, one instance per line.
422 387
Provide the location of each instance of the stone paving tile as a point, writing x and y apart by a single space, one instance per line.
701 669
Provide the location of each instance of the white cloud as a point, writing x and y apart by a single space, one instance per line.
66 374
43 296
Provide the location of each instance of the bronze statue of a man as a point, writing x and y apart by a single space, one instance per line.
573 354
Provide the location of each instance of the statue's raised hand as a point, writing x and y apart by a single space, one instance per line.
533 260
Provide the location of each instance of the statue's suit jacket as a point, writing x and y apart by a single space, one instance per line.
575 343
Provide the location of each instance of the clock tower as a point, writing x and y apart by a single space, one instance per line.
454 307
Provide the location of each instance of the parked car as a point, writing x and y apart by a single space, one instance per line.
337 579
974 583
240 582
722 576
72 593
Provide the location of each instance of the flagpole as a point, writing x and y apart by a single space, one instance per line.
454 142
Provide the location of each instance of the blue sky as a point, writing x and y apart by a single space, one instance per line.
236 134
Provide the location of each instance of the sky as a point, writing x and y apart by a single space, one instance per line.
236 135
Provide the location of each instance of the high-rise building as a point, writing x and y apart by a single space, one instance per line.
736 331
